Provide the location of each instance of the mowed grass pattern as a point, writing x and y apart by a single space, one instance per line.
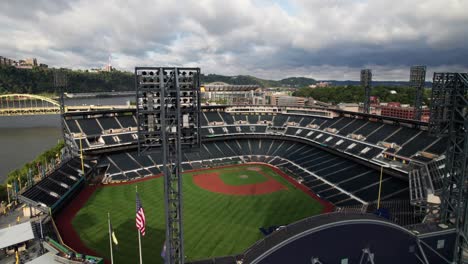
214 224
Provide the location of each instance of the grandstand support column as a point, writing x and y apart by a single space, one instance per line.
417 80
454 206
366 82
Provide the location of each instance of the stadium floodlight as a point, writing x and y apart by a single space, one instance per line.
167 97
417 80
366 83
441 102
168 110
449 116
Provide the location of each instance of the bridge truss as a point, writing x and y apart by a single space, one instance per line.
27 104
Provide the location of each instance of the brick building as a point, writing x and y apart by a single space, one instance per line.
395 109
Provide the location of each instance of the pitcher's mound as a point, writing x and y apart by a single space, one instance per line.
244 176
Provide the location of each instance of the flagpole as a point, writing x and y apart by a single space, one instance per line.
139 246
110 238
139 234
380 187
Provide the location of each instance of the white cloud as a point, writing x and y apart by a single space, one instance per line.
323 39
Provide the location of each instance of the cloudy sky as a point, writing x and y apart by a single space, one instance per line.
323 39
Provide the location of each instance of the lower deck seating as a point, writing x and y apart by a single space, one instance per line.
57 185
333 178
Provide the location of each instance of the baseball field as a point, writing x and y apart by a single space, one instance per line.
224 211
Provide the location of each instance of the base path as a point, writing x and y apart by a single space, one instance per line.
212 182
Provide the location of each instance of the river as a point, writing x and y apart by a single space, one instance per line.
22 138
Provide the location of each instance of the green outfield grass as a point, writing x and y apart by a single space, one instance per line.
214 224
241 176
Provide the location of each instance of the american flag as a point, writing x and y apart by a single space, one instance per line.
140 216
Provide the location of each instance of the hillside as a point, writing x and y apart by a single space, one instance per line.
38 80
355 94
295 82
375 83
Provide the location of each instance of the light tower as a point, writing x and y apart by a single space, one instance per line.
366 83
168 109
449 117
417 80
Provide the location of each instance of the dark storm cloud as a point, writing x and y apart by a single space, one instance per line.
323 39
360 56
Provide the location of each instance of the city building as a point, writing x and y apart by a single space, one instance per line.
107 68
28 63
395 109
291 101
284 99
374 100
6 61
320 85
229 94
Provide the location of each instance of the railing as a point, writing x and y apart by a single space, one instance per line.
16 111
66 255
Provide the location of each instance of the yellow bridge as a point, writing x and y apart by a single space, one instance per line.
30 104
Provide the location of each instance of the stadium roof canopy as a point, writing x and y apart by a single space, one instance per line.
13 235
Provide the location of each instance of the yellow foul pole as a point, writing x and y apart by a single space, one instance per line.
81 156
380 187
8 193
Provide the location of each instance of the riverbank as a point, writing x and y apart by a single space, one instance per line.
22 145
46 157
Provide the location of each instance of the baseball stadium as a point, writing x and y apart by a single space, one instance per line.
175 181
266 185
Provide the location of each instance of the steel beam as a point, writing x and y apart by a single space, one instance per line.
441 104
417 81
366 83
168 109
450 110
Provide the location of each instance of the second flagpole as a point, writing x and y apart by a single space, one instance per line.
110 238
139 235
139 243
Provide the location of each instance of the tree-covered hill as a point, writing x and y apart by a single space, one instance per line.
295 82
355 94
40 80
